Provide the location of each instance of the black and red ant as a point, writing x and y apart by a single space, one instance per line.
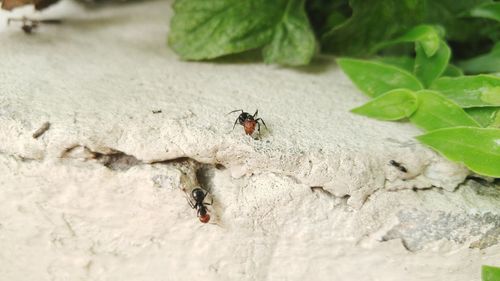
248 121
198 195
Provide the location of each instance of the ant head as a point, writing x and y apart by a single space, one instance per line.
244 116
205 218
198 194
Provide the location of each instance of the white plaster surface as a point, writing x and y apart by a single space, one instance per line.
97 78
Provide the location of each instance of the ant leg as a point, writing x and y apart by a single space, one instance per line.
256 112
205 193
189 200
51 21
258 132
235 111
211 201
264 123
235 122
205 196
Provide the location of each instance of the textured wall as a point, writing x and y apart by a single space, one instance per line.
98 195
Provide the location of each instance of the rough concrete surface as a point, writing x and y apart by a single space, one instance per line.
97 195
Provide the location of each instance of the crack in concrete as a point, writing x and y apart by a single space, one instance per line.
115 160
327 193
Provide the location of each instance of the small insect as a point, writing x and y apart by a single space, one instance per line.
30 25
249 122
399 166
198 195
156 111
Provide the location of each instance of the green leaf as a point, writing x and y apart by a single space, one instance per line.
486 63
334 19
496 122
403 62
326 14
490 273
452 71
436 112
426 35
408 64
477 148
375 78
381 20
432 53
203 29
293 42
393 105
485 116
470 91
449 14
428 69
487 10
372 23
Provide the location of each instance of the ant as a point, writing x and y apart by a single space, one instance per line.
399 166
248 121
30 25
198 195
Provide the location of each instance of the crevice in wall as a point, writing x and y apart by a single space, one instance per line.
322 190
488 182
196 173
193 172
114 160
117 160
204 175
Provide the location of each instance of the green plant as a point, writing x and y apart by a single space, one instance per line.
414 55
204 29
433 102
490 273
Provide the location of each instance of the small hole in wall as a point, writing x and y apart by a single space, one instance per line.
205 175
314 188
220 167
481 181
